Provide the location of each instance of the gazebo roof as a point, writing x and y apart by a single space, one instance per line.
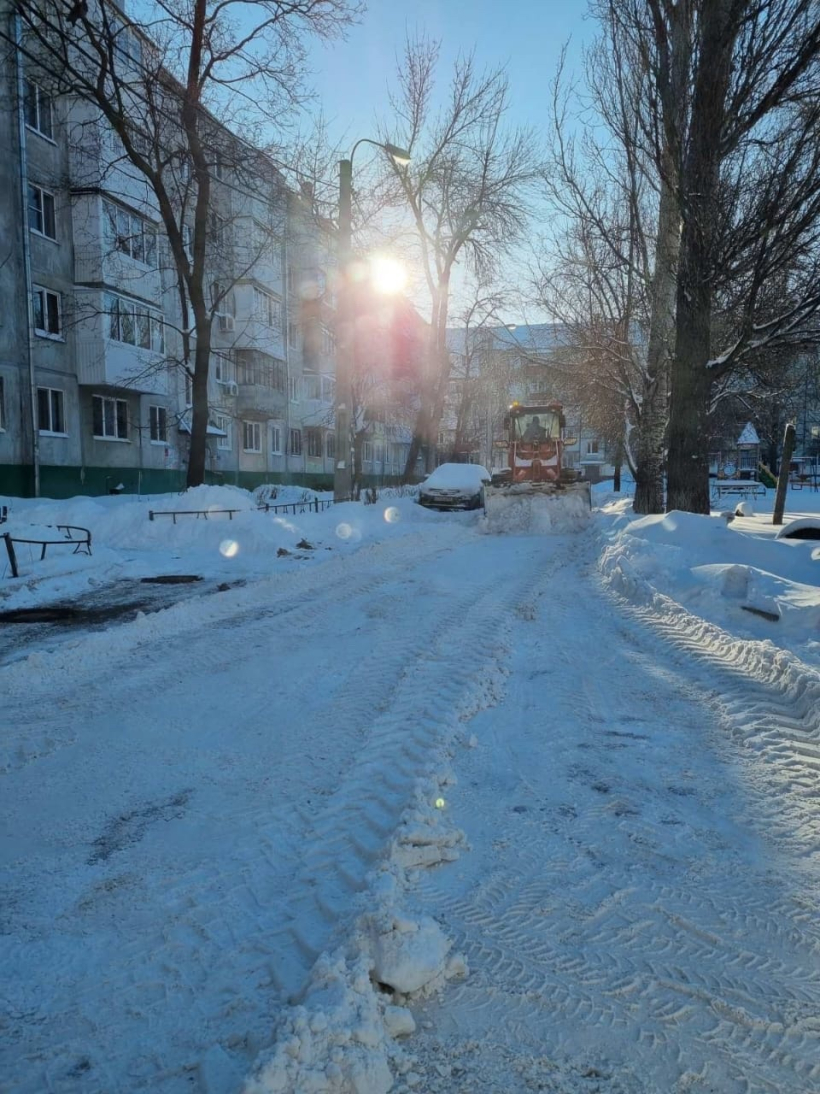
748 436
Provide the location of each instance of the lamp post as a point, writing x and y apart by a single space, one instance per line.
345 327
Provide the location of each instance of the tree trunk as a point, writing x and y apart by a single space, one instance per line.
199 411
649 451
692 377
783 477
358 448
688 439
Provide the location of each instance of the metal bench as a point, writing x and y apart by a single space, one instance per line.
73 535
174 513
740 488
311 505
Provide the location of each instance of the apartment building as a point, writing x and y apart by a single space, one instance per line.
95 395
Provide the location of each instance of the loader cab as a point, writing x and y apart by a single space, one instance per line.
534 424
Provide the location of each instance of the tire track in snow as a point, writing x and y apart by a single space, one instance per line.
236 935
625 914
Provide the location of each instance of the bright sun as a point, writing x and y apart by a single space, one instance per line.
387 274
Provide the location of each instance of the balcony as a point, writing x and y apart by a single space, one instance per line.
258 400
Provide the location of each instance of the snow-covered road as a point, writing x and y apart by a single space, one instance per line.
193 799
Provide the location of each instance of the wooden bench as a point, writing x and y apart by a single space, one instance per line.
73 535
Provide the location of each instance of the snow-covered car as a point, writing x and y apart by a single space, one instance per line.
454 486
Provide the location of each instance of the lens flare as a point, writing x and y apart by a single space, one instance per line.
387 274
392 515
440 803
229 548
344 531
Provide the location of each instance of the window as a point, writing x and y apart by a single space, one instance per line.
130 234
592 448
293 388
328 389
224 370
330 443
293 333
187 241
292 280
379 452
158 419
47 312
126 42
39 110
216 229
314 443
255 367
276 440
267 308
223 422
328 342
313 386
109 418
251 437
368 452
134 324
296 442
41 217
50 416
189 390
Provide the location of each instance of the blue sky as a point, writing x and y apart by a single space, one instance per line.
351 77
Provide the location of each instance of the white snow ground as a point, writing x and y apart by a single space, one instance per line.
562 790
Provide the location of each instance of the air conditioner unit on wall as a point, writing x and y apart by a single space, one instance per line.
233 388
227 324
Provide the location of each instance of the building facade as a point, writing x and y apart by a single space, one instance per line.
95 395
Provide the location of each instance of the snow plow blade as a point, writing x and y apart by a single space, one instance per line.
538 508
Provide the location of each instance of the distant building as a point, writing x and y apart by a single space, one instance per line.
494 366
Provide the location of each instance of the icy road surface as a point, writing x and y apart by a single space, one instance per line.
192 800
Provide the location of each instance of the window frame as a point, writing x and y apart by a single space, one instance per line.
276 439
40 95
256 432
295 435
315 449
123 241
159 413
52 391
43 332
117 421
132 312
34 189
223 422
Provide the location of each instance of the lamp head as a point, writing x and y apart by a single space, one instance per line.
399 156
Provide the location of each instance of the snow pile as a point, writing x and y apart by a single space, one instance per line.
742 576
531 513
342 1039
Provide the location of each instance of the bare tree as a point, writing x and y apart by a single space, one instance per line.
466 190
171 90
744 164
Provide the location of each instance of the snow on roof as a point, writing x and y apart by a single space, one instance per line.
749 435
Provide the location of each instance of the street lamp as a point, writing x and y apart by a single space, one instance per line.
345 327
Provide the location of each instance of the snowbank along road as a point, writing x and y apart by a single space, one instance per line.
193 801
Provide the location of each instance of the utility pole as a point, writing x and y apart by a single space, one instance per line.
343 472
783 477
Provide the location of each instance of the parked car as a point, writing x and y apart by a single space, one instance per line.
454 486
